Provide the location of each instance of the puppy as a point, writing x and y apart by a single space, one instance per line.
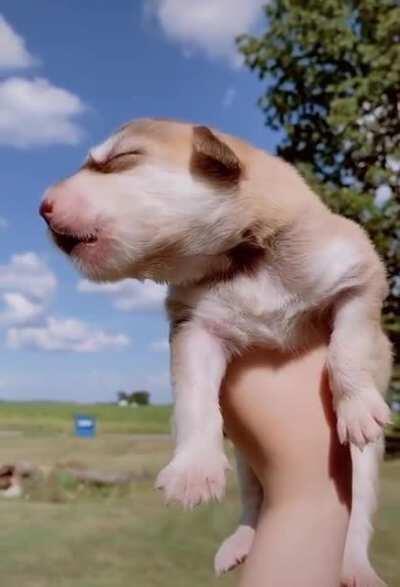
252 257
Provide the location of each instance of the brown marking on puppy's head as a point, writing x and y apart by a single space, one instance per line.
213 160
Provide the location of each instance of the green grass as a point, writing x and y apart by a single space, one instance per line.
58 417
62 533
118 544
66 535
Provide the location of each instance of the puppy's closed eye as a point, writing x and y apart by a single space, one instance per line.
134 152
115 163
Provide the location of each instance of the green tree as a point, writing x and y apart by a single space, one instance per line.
332 88
122 396
141 398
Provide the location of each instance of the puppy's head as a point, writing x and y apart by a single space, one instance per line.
158 199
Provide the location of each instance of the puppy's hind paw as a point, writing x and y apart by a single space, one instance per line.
362 578
234 550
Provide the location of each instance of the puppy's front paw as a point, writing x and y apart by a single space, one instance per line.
194 477
361 418
234 550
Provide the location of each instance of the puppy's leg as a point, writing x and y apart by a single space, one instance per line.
197 471
236 547
357 570
355 347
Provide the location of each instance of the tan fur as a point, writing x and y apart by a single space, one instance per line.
253 257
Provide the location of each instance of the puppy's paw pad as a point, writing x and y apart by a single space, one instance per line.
234 550
361 418
192 478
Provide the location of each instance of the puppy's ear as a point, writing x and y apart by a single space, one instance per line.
213 160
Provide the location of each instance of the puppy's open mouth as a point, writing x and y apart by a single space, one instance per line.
68 241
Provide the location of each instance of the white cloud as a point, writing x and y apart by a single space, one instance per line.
393 164
27 274
19 309
27 285
382 195
129 295
229 97
160 346
208 26
13 52
65 335
35 112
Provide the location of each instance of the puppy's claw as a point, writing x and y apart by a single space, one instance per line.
194 478
361 418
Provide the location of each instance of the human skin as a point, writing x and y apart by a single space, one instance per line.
277 410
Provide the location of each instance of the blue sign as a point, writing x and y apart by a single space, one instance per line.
85 426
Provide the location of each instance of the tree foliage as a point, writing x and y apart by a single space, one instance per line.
332 87
139 398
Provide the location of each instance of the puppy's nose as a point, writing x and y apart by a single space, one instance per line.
46 210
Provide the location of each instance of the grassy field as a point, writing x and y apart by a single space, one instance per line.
58 417
67 535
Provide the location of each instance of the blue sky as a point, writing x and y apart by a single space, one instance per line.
70 72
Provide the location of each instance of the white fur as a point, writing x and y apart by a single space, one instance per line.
314 262
100 152
197 471
234 550
158 197
357 570
343 258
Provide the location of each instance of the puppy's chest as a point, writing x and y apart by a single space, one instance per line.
248 310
